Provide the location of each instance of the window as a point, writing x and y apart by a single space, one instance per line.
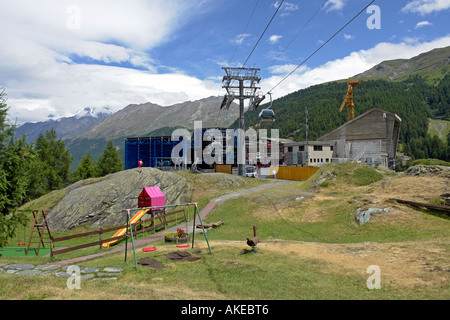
301 148
290 149
327 160
331 148
321 160
317 148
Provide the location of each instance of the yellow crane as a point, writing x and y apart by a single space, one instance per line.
348 99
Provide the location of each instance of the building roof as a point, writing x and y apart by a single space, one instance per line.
309 143
394 116
151 197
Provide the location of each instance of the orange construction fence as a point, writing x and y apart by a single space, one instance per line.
294 173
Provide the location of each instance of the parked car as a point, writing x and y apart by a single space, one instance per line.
251 172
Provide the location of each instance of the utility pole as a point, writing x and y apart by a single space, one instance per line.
245 89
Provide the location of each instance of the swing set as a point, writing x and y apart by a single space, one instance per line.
129 227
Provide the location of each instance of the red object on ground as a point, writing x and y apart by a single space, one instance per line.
149 249
183 246
21 244
151 197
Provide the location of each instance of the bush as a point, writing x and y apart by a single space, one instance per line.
429 162
364 176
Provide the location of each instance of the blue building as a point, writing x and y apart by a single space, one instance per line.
156 152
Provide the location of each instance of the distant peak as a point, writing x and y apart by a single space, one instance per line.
93 112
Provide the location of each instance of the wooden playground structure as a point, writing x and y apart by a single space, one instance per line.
151 201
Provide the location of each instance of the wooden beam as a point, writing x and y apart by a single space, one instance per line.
424 205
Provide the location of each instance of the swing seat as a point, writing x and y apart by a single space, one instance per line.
183 246
149 249
21 244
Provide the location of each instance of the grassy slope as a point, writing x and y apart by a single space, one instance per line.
439 128
311 248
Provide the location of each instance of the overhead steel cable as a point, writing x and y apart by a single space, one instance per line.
235 49
298 33
245 29
279 6
309 57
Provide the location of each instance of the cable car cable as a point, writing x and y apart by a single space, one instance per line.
263 33
298 33
334 35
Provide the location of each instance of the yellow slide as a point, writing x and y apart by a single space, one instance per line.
121 232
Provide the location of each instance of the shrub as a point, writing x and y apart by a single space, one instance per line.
364 176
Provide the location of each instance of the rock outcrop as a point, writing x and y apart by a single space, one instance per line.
425 169
102 202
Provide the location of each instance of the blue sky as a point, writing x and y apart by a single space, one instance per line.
61 56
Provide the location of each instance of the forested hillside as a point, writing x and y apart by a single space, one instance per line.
413 100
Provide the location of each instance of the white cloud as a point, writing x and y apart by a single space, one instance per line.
274 38
348 36
286 8
423 24
424 7
349 66
43 62
334 5
240 38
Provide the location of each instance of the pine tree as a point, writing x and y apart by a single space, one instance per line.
13 175
86 169
55 159
109 161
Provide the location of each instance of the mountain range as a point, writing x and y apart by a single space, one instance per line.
90 129
432 66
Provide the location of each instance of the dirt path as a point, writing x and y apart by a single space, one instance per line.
139 243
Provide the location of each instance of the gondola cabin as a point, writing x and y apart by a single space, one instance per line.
266 116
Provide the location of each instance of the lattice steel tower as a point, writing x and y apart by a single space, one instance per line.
245 88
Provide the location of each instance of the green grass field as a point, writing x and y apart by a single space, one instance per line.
311 247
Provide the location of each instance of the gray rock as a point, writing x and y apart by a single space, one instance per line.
47 267
29 272
90 270
64 268
63 274
423 169
19 266
11 271
362 216
112 269
87 276
102 202
325 176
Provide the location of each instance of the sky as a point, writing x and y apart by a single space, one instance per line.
60 56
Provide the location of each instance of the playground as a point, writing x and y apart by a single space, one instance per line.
310 248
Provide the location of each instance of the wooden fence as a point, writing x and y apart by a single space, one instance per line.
101 231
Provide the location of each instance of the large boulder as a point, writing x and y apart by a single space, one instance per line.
102 202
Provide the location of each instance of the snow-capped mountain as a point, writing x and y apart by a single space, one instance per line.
94 112
67 127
